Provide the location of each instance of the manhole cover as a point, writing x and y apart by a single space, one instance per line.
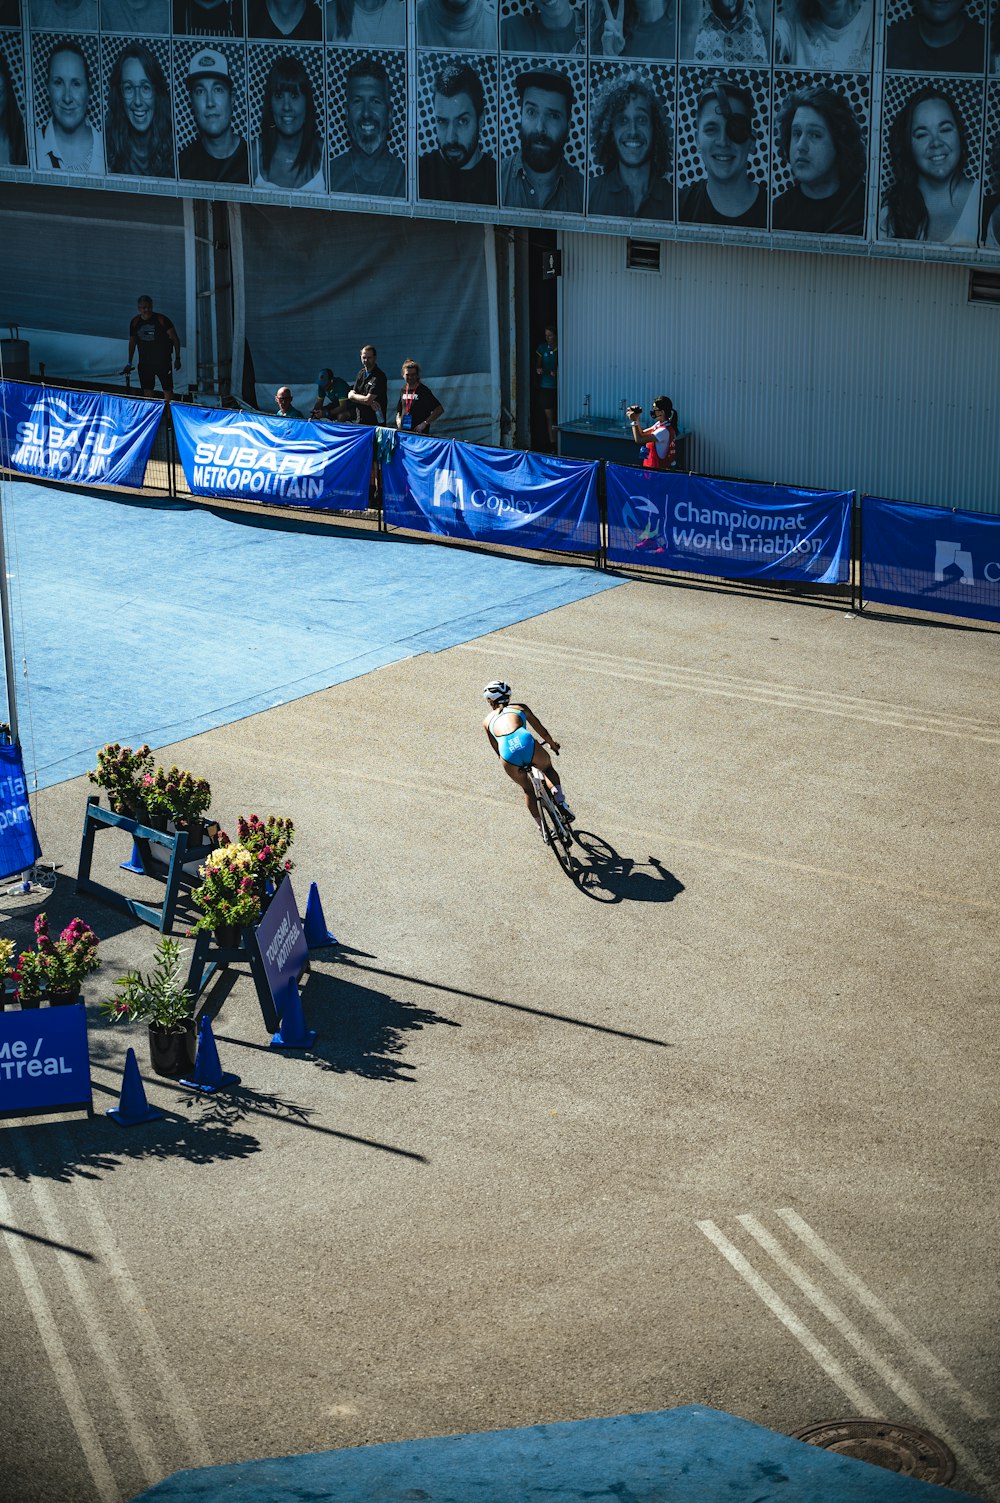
898 1448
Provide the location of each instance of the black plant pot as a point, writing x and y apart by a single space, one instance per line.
227 936
63 998
173 1054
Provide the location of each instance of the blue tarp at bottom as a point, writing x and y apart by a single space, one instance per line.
686 1455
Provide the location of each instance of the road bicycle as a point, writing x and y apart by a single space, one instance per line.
556 827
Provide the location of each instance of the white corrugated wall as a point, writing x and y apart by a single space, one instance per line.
828 371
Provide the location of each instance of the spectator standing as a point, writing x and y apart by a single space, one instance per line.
331 398
154 335
370 392
283 399
659 440
547 370
417 407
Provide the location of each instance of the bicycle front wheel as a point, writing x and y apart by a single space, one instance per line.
560 837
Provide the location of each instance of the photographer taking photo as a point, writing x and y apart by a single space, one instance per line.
661 439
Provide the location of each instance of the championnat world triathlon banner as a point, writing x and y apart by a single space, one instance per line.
460 490
730 529
273 459
80 437
930 558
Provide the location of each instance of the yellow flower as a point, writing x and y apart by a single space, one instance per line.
7 948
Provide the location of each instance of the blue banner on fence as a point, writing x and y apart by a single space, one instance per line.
19 848
80 437
255 458
44 1059
493 495
730 529
930 558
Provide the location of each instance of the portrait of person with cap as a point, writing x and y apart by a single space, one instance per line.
218 154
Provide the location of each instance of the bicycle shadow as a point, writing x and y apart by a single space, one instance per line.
613 878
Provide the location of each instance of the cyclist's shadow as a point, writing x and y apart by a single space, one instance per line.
611 878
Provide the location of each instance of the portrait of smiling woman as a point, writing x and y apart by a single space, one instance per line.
138 126
287 151
931 198
69 143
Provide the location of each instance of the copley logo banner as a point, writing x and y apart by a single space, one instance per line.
81 437
732 529
930 558
255 458
494 495
19 848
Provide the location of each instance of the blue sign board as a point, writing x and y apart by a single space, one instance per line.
281 943
930 558
19 846
44 1060
79 437
275 459
729 529
492 495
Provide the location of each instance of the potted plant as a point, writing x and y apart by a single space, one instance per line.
56 968
161 1001
7 949
228 895
268 840
174 795
125 775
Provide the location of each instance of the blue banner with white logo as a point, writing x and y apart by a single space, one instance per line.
44 1060
80 437
19 848
278 460
492 495
930 558
728 528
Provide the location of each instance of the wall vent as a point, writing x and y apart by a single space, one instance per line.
642 255
984 287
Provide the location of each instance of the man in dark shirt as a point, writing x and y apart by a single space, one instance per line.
537 176
459 171
937 38
417 407
154 336
219 154
370 392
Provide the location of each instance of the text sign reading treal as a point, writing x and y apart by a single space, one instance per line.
44 1060
281 941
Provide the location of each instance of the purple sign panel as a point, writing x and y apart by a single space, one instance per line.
281 941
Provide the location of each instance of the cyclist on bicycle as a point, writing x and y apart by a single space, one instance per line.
516 736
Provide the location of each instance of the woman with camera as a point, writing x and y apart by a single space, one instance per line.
661 439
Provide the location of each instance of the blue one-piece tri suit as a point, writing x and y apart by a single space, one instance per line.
518 746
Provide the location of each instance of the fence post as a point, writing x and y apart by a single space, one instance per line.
602 515
857 551
171 454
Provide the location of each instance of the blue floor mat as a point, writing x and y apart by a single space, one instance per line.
146 621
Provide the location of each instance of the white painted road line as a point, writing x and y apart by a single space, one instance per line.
152 1468
175 1399
885 1317
862 1401
859 1344
62 1371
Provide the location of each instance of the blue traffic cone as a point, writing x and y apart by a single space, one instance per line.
316 932
293 1033
132 1107
134 862
208 1073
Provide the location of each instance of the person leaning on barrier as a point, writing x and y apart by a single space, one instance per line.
331 398
417 407
283 401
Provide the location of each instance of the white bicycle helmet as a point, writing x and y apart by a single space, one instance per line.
497 692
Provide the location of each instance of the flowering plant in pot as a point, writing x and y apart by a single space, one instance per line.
268 840
7 950
56 968
161 1000
228 895
124 775
173 794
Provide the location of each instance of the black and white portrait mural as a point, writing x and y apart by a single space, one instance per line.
366 94
287 113
459 25
13 102
631 142
819 153
931 153
457 128
543 112
935 36
544 26
138 113
723 147
366 23
726 33
630 29
825 35
67 93
211 112
991 177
